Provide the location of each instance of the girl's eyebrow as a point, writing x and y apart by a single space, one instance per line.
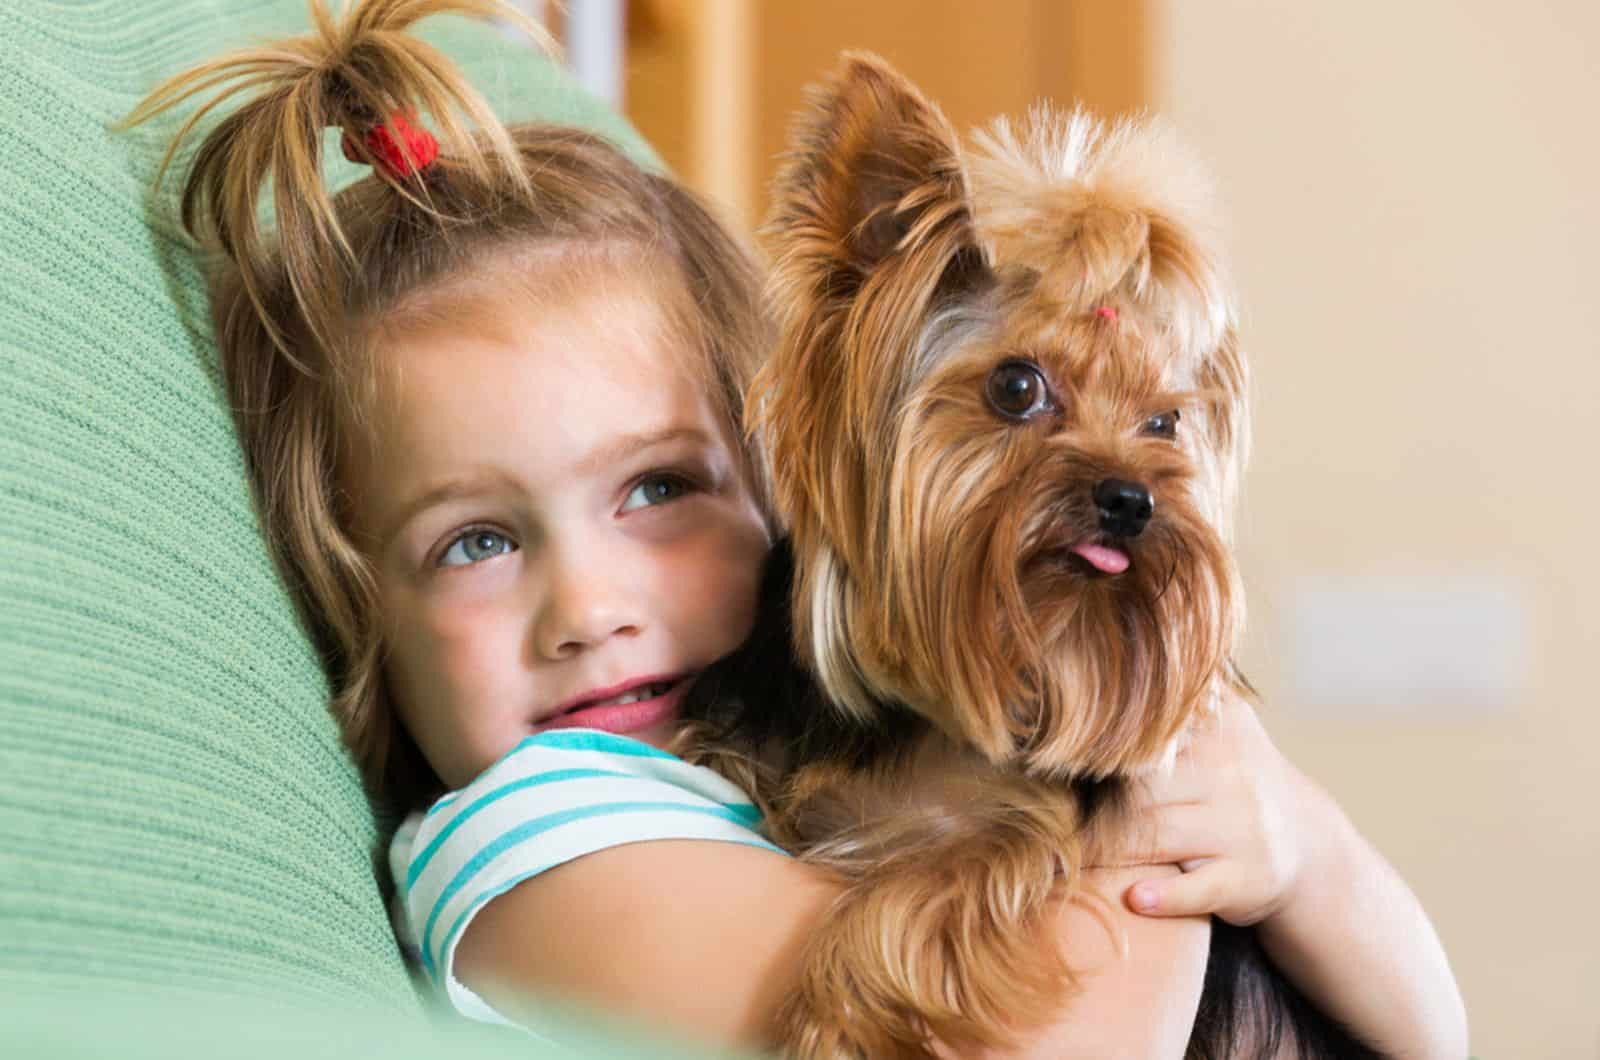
619 449
469 485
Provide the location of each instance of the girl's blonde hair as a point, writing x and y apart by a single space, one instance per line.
297 307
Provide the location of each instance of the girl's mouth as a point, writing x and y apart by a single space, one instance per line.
643 705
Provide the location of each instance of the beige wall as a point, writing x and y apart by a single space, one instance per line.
1413 188
714 84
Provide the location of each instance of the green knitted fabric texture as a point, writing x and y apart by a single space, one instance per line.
175 807
51 1026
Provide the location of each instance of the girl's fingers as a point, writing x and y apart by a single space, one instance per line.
1198 893
1188 831
1172 834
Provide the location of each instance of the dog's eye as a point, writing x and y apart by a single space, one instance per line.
1163 426
1017 390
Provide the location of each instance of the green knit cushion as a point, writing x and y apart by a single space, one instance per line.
175 805
94 1025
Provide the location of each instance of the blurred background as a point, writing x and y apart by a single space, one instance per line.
1411 190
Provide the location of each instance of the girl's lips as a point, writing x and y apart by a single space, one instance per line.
623 718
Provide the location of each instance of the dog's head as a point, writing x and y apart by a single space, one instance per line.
1004 423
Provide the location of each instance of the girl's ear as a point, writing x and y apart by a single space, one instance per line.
871 162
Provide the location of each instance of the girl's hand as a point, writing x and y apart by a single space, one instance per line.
1243 824
1260 843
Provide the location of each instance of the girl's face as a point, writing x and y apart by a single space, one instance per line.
563 531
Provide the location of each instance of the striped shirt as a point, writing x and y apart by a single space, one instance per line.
555 796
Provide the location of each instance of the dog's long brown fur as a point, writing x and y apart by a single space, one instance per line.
980 688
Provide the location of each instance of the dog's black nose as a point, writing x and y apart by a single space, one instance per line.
1125 507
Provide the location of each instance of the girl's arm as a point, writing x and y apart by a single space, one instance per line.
1265 845
1356 940
706 939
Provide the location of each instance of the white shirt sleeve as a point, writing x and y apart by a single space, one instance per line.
554 797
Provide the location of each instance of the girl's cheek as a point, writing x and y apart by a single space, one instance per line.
734 562
460 630
472 585
468 632
465 672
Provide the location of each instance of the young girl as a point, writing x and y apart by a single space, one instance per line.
490 398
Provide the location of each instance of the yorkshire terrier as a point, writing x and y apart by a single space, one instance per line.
1003 428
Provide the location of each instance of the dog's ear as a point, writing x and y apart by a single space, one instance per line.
873 170
870 236
871 228
1224 379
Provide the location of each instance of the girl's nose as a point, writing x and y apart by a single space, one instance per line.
582 607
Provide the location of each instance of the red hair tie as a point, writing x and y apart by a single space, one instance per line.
1108 312
397 147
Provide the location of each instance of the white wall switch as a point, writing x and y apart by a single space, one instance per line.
1398 645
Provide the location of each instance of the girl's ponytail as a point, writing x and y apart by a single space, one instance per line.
289 295
360 73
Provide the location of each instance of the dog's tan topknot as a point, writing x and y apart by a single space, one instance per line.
1095 211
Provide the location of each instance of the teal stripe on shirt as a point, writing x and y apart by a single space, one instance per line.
532 828
748 814
596 740
479 902
420 862
567 740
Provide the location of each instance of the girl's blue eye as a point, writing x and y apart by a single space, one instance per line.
475 546
656 489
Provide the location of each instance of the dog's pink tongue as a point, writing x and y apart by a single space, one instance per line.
1102 558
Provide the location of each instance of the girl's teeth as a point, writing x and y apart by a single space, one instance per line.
647 692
